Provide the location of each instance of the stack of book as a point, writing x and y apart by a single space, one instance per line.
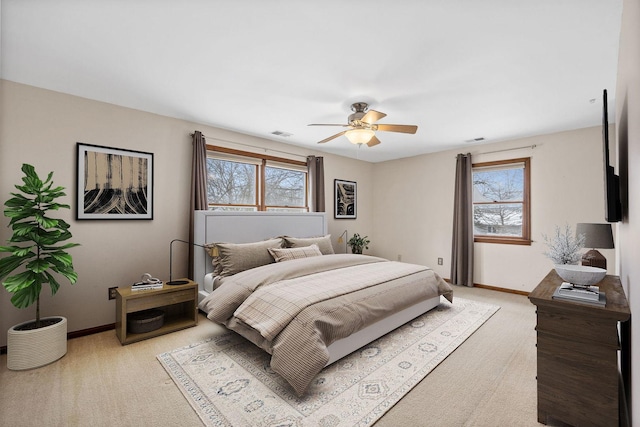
141 286
585 294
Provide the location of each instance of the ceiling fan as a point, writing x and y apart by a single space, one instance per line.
362 127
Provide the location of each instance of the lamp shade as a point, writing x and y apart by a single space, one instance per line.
359 136
596 235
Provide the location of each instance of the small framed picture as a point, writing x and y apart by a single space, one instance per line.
113 183
345 196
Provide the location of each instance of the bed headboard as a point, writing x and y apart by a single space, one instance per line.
246 227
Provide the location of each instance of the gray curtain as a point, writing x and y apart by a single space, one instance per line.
198 187
462 245
315 171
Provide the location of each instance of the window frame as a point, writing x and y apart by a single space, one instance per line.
525 239
264 159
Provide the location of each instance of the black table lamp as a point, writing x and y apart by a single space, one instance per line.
597 236
171 281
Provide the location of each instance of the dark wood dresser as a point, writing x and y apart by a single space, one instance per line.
578 375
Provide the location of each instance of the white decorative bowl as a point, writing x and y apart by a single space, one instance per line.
581 275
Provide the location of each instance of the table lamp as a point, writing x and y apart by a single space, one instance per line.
172 282
341 240
596 236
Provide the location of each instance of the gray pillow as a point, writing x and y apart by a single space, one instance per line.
237 257
323 242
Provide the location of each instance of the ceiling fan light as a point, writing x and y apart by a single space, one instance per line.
359 136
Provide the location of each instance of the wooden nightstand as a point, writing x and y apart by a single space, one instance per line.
179 303
578 377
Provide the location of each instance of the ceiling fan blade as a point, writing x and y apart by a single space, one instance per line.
398 128
332 137
373 141
326 124
372 116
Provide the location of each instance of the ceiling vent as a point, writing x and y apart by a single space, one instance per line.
281 133
480 139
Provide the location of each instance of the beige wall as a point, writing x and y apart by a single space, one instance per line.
414 205
628 136
42 127
409 214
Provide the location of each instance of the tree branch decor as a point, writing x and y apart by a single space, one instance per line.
565 246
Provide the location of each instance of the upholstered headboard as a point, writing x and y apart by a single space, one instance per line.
246 227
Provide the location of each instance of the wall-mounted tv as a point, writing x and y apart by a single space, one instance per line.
612 204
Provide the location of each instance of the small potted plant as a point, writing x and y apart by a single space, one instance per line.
35 254
358 243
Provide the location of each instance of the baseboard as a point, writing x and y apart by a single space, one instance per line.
495 288
78 334
91 331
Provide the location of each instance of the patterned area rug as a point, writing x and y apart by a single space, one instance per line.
228 381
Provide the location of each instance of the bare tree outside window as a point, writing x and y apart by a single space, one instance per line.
236 186
231 183
500 200
284 187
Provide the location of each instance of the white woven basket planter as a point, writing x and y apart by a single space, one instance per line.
37 347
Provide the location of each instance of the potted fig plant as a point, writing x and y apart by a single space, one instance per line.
357 243
36 256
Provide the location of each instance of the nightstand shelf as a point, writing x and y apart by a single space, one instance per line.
179 304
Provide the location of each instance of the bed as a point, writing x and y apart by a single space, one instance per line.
313 306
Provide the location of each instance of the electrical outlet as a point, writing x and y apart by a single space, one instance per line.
112 292
439 261
399 257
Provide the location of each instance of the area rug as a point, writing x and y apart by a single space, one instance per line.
228 381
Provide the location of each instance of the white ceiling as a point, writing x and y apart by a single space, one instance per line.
459 69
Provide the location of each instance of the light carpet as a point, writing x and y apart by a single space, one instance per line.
228 381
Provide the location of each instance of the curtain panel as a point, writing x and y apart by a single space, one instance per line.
462 244
315 172
198 187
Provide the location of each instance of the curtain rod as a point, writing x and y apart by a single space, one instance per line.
507 149
510 149
252 146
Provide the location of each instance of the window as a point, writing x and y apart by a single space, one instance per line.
243 181
501 202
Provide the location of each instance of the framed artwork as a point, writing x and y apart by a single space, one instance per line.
113 183
345 197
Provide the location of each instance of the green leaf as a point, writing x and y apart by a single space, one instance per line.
62 258
23 298
53 284
57 206
17 201
20 281
46 222
16 215
24 228
9 264
69 273
25 252
38 265
65 246
29 170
